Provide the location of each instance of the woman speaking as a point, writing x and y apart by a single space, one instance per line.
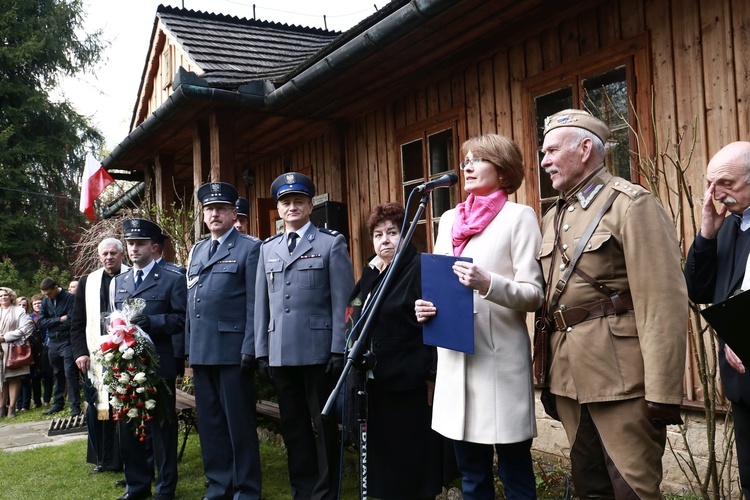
486 399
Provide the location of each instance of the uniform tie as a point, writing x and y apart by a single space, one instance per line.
212 250
138 278
292 242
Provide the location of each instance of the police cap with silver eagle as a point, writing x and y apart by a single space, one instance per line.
577 118
141 229
292 182
217 192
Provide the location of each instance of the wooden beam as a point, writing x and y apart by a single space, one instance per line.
221 138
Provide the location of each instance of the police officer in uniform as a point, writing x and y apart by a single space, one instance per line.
178 340
221 348
303 283
243 208
618 320
163 316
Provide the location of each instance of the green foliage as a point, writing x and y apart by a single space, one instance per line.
43 141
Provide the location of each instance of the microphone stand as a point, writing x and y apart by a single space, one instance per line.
363 340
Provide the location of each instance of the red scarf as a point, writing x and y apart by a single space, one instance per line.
473 215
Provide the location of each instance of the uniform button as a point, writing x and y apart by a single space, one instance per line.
200 285
288 283
286 310
588 246
197 315
376 343
617 183
197 300
235 327
566 227
309 265
562 267
565 246
286 296
571 208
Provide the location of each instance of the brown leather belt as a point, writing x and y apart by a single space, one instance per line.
565 317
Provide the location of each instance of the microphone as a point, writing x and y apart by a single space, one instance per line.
443 181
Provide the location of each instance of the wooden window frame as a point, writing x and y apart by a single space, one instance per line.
450 119
634 53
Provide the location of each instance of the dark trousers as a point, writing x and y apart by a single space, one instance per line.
139 470
741 416
313 459
514 468
225 403
64 368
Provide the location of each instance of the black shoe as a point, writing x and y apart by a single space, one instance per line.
122 483
53 409
136 496
98 468
75 411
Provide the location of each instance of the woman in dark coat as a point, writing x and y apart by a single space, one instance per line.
405 456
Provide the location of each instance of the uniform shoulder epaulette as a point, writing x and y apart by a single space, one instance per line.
325 230
171 269
271 238
249 237
629 188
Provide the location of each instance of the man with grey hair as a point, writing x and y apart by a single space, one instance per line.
87 326
610 341
716 269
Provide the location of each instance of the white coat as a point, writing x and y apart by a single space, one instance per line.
488 397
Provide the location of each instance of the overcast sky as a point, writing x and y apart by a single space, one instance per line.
108 96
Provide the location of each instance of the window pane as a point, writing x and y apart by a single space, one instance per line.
415 199
411 161
606 97
547 105
419 238
442 201
441 152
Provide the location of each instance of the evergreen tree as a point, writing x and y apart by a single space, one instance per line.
42 140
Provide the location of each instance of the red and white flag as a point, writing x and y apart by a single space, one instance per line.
95 179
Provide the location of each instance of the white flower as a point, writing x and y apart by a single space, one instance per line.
114 401
140 377
140 390
122 390
124 378
150 404
133 413
128 354
109 357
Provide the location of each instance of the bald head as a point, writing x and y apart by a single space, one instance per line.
729 170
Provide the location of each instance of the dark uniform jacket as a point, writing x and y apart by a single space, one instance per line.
164 292
221 296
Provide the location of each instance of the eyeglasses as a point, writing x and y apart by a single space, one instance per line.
465 163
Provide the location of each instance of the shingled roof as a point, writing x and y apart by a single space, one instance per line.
232 50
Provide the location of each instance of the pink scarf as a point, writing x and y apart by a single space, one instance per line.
473 215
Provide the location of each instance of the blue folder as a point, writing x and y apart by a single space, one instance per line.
453 326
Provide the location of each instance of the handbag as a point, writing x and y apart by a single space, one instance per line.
19 355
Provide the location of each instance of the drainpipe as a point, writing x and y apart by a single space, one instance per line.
130 195
385 32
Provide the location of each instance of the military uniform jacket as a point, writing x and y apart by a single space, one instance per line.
633 249
221 296
164 293
302 298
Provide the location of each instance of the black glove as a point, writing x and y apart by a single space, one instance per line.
264 369
248 364
661 414
335 364
549 402
142 321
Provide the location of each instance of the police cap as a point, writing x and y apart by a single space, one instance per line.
217 192
243 206
161 238
577 118
292 182
141 229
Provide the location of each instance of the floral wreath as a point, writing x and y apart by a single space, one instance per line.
131 373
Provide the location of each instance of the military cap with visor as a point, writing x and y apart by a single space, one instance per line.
141 229
577 118
290 183
217 192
